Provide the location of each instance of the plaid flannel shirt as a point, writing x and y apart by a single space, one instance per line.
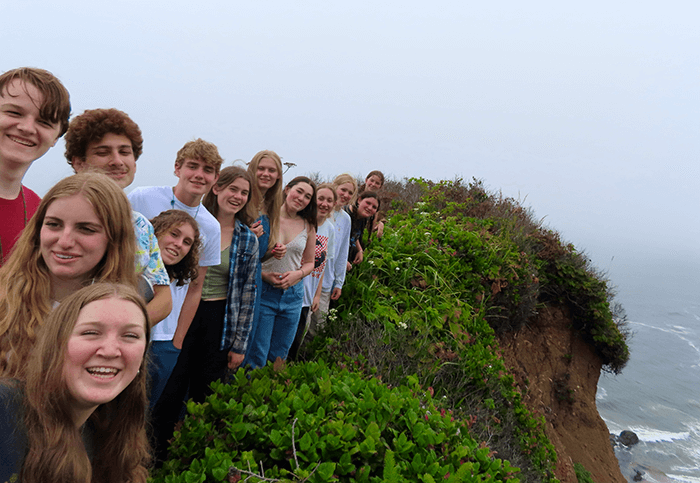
240 300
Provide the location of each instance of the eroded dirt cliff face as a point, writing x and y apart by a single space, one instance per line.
559 373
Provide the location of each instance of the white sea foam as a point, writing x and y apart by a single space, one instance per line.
651 435
684 478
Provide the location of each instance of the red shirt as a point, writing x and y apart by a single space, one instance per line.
12 219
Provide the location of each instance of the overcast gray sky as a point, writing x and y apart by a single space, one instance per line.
590 113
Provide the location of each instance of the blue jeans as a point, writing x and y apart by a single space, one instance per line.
279 317
163 359
262 244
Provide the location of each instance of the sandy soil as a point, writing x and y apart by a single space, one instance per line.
563 373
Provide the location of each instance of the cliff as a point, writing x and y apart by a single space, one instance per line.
561 371
460 266
468 298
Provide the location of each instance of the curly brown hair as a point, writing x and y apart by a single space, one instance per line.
186 269
94 124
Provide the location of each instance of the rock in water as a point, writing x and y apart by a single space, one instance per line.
628 438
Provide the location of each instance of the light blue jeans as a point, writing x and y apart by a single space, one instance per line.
279 317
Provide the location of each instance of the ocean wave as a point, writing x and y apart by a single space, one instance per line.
650 435
684 478
679 331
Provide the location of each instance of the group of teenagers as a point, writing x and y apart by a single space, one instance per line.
116 308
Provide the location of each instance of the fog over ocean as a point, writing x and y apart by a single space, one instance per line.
656 396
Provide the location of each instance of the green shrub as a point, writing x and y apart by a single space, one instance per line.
582 474
567 279
457 265
427 302
311 422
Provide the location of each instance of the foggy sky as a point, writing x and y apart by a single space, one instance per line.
588 113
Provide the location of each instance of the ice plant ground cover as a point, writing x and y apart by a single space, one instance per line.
314 422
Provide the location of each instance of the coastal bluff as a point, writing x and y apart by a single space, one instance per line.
469 309
561 371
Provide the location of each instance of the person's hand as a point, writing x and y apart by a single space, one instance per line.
348 267
288 279
316 303
359 257
271 277
235 360
380 229
336 293
257 228
279 250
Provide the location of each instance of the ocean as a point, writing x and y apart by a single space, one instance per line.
657 394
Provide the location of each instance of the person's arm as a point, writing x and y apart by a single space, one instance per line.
379 228
359 256
341 261
317 296
12 433
160 305
189 307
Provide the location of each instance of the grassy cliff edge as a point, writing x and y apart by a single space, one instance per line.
457 268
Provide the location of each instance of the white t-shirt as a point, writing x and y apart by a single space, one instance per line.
325 236
150 201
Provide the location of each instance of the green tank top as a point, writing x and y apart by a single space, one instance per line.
215 284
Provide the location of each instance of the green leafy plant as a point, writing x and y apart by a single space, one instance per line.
318 423
582 474
456 266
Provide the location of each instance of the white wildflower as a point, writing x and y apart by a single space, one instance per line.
332 315
402 325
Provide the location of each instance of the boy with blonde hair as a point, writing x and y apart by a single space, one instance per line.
197 166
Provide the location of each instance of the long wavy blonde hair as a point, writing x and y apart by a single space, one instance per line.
55 449
272 201
25 286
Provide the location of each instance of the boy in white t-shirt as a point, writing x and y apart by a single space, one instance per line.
197 166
